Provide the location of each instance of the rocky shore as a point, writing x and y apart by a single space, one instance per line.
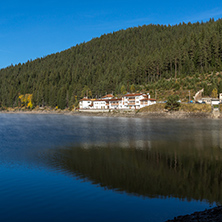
155 111
214 215
121 113
131 114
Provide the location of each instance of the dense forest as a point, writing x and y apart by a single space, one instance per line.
136 59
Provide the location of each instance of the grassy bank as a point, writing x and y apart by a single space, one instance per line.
193 108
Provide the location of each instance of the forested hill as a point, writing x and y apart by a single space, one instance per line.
141 56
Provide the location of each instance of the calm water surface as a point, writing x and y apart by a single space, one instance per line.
59 168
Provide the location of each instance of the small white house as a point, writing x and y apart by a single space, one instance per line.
85 103
100 104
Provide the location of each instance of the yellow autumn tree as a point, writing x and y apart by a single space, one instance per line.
21 100
26 101
29 100
214 93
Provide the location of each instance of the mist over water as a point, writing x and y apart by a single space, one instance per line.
57 167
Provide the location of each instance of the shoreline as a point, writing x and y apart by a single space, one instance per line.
213 214
122 113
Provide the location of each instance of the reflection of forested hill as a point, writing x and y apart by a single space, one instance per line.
160 171
144 56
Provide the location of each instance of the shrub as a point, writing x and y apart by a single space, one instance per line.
172 103
176 86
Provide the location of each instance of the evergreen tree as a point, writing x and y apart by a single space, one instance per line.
139 56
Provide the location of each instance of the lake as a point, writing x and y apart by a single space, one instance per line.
76 168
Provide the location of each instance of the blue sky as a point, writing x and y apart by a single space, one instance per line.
33 29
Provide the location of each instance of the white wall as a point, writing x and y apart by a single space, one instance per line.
97 104
85 104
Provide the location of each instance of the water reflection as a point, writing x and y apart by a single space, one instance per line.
147 168
179 158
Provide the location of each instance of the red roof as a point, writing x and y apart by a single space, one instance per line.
109 95
115 99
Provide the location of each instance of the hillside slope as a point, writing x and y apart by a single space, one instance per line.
149 57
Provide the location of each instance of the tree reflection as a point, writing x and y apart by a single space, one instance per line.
177 170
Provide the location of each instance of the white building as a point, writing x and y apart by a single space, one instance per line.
131 101
137 100
128 101
85 103
100 104
115 103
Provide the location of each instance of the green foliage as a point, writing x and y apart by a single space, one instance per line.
132 88
62 99
176 86
123 90
86 92
220 87
149 57
172 103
